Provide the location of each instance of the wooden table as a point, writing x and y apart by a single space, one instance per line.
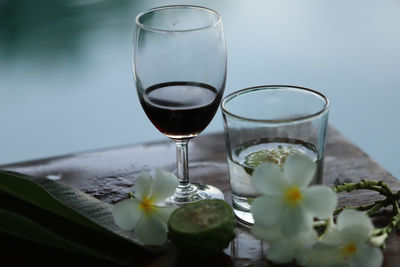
109 174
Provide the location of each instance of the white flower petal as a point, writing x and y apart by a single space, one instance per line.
268 179
299 169
164 213
307 238
266 210
127 213
320 201
354 217
143 185
368 256
164 185
305 242
332 236
357 234
295 220
150 230
319 255
281 251
267 234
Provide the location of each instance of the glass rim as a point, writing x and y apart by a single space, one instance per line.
229 97
155 29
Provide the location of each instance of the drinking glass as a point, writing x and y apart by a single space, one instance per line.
180 73
268 123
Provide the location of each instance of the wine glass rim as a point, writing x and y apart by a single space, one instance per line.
229 97
155 29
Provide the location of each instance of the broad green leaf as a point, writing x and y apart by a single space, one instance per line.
66 202
32 190
72 233
17 225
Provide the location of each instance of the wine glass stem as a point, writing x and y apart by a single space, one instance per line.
182 164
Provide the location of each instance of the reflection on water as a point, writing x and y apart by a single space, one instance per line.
65 76
45 28
66 80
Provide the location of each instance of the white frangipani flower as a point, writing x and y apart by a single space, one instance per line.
281 249
141 213
351 239
286 198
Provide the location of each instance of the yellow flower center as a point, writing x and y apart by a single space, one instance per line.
293 195
146 205
349 250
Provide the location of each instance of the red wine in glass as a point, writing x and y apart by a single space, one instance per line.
179 68
181 109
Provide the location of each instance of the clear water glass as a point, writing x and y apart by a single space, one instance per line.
270 122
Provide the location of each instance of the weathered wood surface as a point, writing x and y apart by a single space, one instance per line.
109 174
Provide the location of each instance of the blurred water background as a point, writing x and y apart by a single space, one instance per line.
66 80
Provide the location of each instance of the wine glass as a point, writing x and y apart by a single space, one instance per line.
180 73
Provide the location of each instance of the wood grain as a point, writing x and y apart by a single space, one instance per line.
109 174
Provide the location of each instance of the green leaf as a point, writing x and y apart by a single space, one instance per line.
17 225
51 205
57 199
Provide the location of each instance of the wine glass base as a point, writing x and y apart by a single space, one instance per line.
197 192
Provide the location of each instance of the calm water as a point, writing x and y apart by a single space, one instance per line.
66 82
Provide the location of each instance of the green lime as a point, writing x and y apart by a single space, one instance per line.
202 228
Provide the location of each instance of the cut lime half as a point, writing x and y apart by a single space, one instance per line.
202 228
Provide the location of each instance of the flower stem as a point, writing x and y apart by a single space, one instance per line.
364 184
395 220
382 188
377 206
363 208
